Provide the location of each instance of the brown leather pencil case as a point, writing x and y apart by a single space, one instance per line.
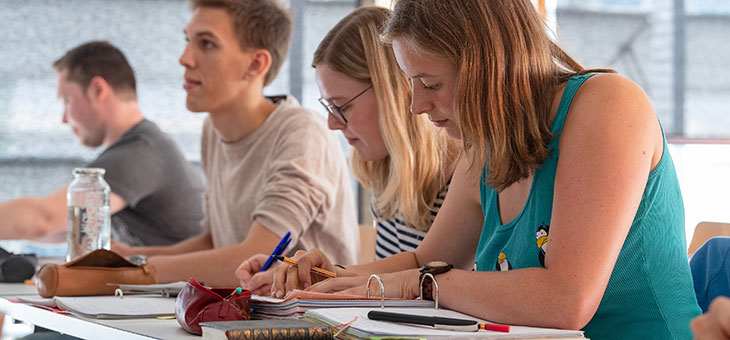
91 274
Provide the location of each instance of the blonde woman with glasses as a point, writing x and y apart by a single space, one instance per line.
401 157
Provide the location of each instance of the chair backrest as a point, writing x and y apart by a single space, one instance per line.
367 244
706 230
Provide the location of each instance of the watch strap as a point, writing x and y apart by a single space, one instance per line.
426 282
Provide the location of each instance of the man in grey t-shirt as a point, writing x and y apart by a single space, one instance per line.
162 190
155 194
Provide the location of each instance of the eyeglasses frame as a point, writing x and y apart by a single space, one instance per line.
332 108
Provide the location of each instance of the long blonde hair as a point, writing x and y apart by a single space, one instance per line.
408 180
508 72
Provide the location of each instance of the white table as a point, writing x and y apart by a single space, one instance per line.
13 290
84 327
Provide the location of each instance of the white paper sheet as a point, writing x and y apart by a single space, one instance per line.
366 328
114 307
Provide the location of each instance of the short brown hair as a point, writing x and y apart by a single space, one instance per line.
98 59
263 24
508 69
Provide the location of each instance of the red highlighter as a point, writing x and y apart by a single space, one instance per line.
494 327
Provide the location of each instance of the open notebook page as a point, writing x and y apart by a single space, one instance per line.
366 328
113 307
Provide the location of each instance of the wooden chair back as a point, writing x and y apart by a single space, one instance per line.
706 230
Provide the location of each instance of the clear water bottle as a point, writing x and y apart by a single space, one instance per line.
89 222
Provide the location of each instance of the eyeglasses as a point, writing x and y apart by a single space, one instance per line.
336 110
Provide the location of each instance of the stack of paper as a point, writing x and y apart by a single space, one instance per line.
365 328
109 307
297 302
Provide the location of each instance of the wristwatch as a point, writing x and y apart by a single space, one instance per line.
434 268
139 260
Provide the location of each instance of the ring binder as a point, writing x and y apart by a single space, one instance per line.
165 290
382 289
434 290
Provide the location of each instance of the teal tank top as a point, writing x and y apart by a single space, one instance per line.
650 293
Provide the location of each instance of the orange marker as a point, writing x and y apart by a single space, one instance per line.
294 263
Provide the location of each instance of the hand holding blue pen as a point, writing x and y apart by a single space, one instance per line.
279 250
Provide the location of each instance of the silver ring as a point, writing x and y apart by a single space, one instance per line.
382 289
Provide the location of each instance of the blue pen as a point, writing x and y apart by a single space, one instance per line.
279 250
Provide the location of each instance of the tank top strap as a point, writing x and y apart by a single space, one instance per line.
571 88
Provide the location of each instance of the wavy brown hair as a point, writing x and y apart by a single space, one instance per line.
419 161
508 70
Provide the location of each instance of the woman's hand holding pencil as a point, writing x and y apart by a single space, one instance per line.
316 270
309 270
302 275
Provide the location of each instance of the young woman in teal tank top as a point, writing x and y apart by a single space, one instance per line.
644 299
565 199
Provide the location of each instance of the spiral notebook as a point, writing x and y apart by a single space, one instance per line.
297 302
108 307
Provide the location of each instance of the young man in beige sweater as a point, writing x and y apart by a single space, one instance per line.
271 166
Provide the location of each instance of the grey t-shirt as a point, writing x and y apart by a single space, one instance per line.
162 190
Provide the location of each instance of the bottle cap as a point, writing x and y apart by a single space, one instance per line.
90 171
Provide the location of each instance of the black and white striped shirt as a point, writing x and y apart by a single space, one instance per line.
395 236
